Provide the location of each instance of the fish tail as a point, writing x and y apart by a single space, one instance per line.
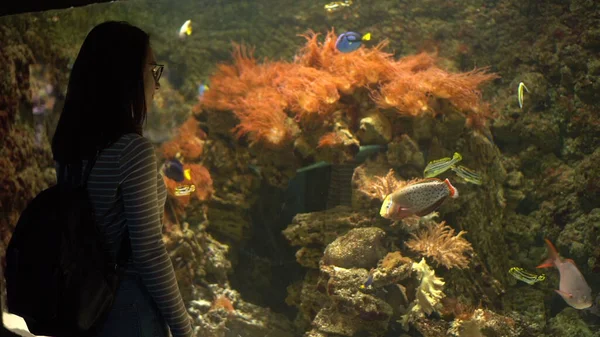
453 190
552 256
366 37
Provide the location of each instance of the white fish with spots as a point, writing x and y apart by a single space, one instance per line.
419 198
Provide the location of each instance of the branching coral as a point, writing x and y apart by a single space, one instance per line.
277 102
439 242
416 82
379 187
189 141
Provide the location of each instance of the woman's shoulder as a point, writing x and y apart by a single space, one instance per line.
129 141
131 145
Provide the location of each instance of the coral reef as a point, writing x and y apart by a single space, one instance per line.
311 105
427 296
439 243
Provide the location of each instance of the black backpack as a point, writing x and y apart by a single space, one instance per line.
59 276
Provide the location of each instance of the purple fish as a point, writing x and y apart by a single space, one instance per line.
572 287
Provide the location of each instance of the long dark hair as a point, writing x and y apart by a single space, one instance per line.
105 97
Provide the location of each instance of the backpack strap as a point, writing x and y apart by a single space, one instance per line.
125 250
88 169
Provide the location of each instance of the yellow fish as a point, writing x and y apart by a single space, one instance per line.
184 190
439 166
468 174
337 5
520 93
186 29
527 277
187 174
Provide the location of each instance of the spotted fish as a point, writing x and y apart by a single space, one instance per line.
419 198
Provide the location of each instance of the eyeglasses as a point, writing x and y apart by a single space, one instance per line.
157 70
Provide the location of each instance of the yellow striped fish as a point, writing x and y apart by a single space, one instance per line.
520 93
468 174
439 166
527 277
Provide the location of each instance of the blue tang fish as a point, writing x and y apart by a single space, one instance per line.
173 169
202 88
350 41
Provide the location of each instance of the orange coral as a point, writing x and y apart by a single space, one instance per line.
189 141
273 98
222 302
416 79
439 242
261 114
331 139
201 178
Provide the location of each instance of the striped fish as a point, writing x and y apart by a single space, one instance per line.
468 175
439 166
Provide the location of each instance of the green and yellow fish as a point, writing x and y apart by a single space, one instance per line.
468 175
337 5
520 93
184 190
439 166
186 29
527 277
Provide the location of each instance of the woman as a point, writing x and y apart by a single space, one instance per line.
111 86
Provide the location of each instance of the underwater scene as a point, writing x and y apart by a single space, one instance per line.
384 168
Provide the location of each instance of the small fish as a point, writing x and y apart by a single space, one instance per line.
572 287
174 170
202 88
369 281
527 277
337 5
186 29
350 41
439 166
184 190
520 93
419 198
468 175
366 151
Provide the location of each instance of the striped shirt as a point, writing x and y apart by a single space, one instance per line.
126 189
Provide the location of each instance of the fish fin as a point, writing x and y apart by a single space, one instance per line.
366 37
425 180
552 252
401 213
453 190
564 294
431 208
549 263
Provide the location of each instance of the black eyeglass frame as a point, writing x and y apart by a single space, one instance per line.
157 70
